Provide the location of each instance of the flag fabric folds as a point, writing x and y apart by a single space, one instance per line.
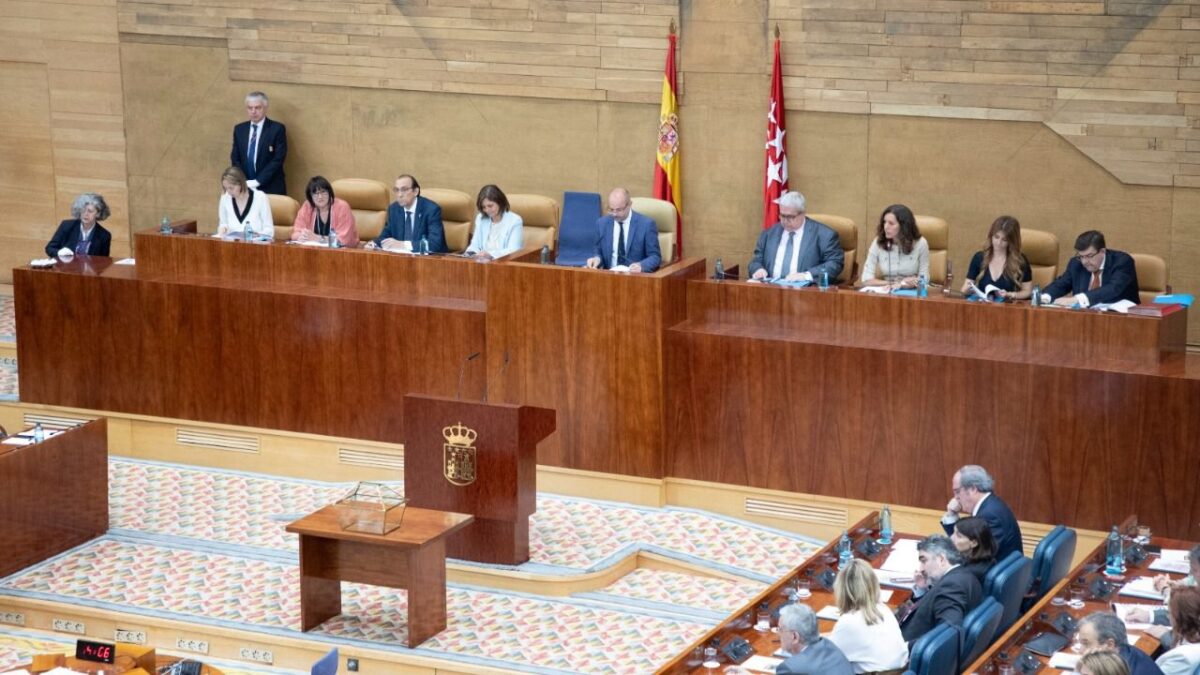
775 181
666 168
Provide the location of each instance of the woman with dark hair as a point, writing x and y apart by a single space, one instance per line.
1000 262
243 208
1184 610
899 255
498 231
322 213
973 538
82 234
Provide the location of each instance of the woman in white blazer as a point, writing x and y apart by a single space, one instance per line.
498 231
243 207
1184 610
867 632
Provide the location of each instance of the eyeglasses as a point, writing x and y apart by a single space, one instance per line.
1088 256
790 216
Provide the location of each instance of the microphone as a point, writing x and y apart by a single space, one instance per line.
461 370
498 376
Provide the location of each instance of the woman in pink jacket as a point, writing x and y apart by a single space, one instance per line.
322 212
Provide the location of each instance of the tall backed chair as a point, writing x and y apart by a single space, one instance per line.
936 652
368 199
540 214
283 214
577 228
1051 562
1151 274
1041 250
937 235
665 217
1007 583
458 215
847 233
979 627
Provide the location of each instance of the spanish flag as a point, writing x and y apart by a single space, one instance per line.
666 169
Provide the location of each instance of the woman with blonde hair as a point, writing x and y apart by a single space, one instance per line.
243 209
867 632
1102 663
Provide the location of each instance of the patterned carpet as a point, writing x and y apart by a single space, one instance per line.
8 379
208 547
8 322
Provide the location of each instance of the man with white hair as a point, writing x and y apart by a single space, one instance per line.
797 248
972 487
260 146
810 654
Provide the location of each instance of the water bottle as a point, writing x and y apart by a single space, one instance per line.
923 286
39 434
334 242
946 290
246 234
844 553
885 526
544 258
424 245
1036 298
823 280
1114 554
719 269
164 225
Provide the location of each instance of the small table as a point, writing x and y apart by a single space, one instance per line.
411 557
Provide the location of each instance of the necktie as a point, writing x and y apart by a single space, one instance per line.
82 247
252 172
407 226
1095 281
787 256
621 254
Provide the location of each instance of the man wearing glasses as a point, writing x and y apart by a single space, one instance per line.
627 239
972 487
411 219
1095 275
796 248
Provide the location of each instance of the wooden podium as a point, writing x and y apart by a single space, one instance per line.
476 458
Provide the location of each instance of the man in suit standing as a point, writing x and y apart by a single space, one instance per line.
1095 275
625 237
972 493
260 146
809 248
811 654
944 591
411 219
1104 632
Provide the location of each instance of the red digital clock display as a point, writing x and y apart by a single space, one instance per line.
99 652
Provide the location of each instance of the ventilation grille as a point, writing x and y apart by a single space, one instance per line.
820 515
57 422
1031 542
372 458
217 441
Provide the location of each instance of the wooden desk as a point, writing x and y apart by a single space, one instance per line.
741 622
883 398
1008 647
121 665
53 495
412 557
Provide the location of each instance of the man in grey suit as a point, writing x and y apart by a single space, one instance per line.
797 248
811 654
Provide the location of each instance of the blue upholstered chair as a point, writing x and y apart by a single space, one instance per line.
1051 562
979 628
1007 582
936 652
577 230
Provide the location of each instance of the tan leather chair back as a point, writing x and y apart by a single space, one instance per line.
540 215
1151 274
1041 250
937 235
368 199
283 214
847 233
665 216
458 215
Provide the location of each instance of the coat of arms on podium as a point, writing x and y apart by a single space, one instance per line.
459 455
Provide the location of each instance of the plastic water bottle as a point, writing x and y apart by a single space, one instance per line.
164 225
947 289
545 256
845 555
334 242
39 434
1036 298
823 280
885 526
923 286
246 234
424 245
1114 554
719 269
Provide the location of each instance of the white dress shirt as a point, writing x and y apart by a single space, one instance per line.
777 266
616 234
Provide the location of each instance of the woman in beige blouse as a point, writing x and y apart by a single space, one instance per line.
899 255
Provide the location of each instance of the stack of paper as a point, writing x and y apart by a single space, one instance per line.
1122 611
1174 560
1141 587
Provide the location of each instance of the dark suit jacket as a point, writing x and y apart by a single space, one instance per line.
1003 523
272 150
955 594
642 242
820 250
820 658
1118 281
428 223
68 233
1138 662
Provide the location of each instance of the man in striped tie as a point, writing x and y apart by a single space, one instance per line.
260 146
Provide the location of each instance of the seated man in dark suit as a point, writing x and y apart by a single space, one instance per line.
972 487
411 219
1104 632
626 237
260 146
944 591
811 654
83 234
1095 275
809 248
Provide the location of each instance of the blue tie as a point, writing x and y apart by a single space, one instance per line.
252 170
787 256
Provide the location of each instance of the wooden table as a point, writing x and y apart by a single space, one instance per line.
412 557
122 664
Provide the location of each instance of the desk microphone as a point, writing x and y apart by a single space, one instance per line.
461 370
498 376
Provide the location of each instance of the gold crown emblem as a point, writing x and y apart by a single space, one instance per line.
459 435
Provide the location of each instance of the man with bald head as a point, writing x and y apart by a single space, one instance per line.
625 237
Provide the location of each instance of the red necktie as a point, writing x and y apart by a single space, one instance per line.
1095 281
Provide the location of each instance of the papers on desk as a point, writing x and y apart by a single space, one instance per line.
1120 306
42 263
761 664
126 261
1122 610
1065 660
882 290
830 612
619 268
989 294
1142 587
26 437
902 559
1174 560
796 283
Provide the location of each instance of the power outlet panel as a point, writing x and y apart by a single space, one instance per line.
68 626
